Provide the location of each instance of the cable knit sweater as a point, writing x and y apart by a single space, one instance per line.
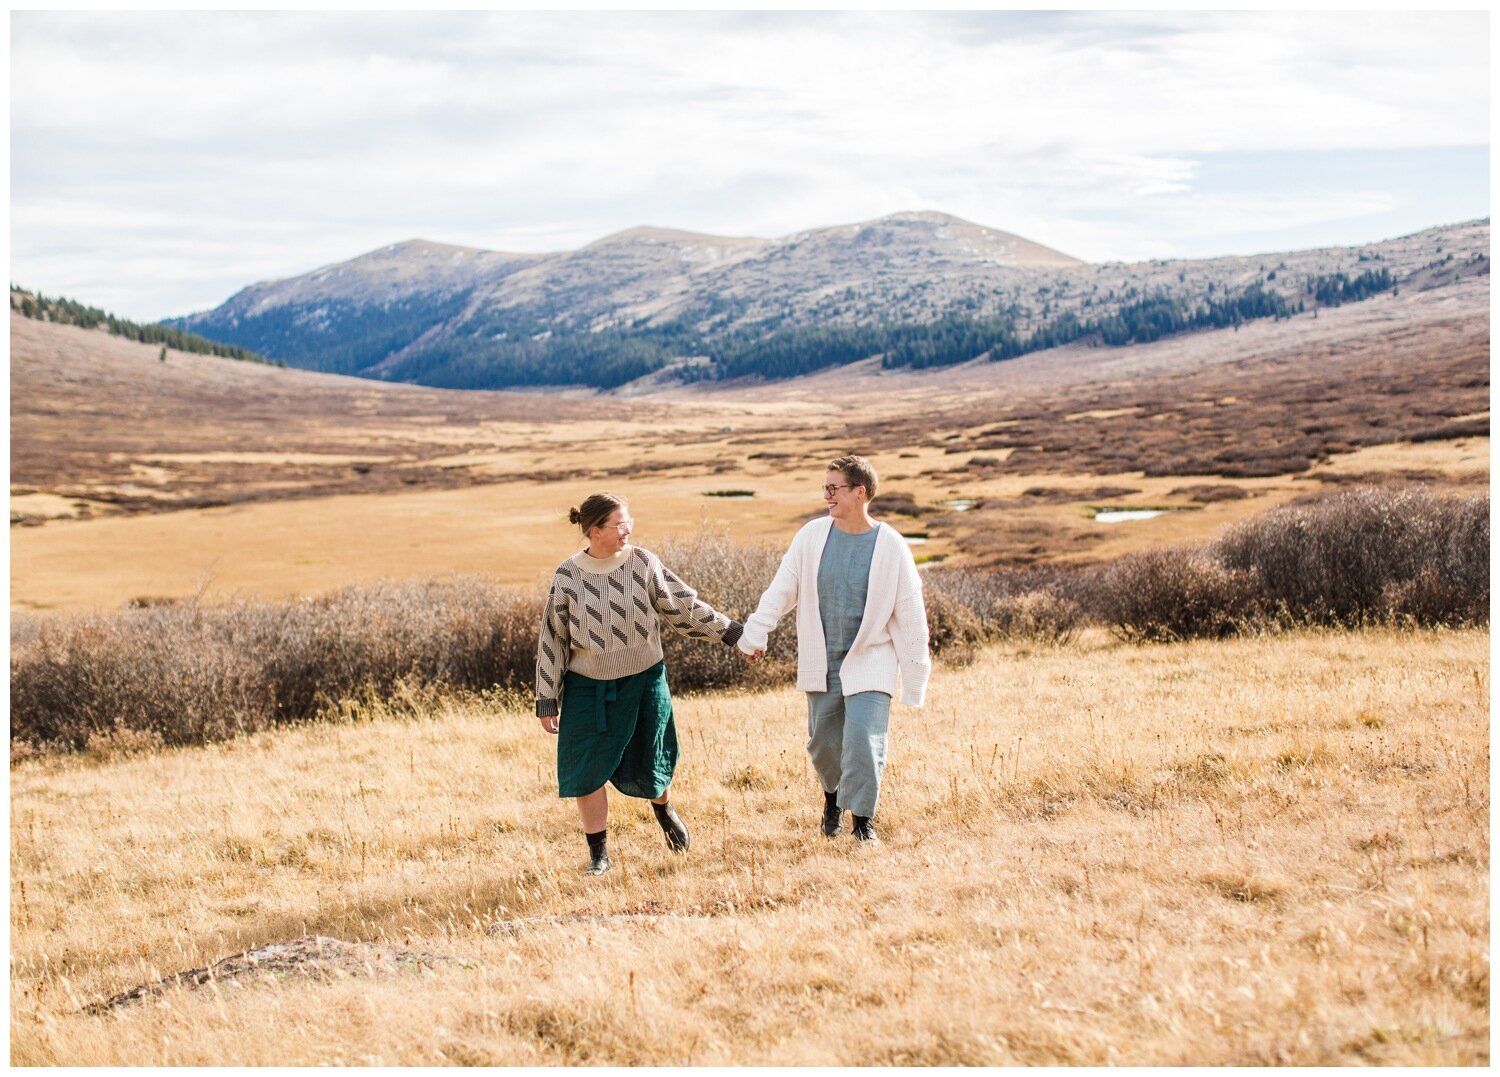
891 646
602 620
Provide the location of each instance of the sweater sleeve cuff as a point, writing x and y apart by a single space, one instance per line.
732 633
754 638
546 708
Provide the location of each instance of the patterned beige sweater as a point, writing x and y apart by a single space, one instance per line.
604 622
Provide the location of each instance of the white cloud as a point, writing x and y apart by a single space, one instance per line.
283 140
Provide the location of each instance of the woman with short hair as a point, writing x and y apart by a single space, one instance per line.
861 633
601 681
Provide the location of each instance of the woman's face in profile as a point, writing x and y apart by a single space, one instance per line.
613 535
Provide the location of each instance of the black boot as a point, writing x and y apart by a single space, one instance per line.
671 826
598 854
864 831
832 817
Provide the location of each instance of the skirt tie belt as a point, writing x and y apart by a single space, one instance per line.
604 692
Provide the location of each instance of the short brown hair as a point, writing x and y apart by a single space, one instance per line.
858 471
596 508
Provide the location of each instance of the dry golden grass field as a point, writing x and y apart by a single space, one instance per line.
1261 851
139 479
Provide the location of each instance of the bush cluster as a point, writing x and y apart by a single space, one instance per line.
188 673
1169 594
193 673
1369 555
966 608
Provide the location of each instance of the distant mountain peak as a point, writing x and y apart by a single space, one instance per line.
645 235
950 236
925 216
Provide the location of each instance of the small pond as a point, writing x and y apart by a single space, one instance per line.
1120 516
961 504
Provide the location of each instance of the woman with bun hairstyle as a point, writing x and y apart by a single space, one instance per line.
601 682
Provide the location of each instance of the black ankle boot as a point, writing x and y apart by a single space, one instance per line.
832 817
598 854
671 826
864 831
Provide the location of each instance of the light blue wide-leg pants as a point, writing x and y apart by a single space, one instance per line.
847 738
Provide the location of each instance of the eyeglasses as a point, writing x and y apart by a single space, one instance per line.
625 526
829 489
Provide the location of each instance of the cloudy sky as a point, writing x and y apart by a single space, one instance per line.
161 161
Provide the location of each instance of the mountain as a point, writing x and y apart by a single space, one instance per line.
916 289
343 318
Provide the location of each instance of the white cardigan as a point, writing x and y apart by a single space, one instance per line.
892 640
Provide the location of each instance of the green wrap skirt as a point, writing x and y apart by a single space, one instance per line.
618 731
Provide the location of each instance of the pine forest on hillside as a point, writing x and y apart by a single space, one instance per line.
71 312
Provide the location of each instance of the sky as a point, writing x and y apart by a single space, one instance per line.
162 161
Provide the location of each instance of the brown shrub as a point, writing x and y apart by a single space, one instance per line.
1037 616
1208 492
191 674
1171 594
901 503
1368 554
1062 495
1035 604
956 631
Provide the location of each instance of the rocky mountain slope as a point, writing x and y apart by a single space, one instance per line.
917 289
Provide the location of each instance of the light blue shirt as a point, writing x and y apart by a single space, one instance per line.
843 584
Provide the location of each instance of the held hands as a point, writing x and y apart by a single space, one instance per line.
549 724
754 656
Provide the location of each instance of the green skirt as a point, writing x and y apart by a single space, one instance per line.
618 731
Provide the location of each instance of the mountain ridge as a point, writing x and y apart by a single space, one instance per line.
916 287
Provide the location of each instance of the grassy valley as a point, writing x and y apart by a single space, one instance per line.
279 482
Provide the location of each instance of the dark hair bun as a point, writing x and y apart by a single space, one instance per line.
574 516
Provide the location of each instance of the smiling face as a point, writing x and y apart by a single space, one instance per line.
844 502
613 535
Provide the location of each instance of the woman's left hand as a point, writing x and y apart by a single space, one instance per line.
549 724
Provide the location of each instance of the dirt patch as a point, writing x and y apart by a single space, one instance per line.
315 956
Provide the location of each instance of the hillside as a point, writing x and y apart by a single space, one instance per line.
916 289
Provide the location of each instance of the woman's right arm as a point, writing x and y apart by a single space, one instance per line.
553 642
778 600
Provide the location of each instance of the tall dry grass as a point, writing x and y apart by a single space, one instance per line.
1266 850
